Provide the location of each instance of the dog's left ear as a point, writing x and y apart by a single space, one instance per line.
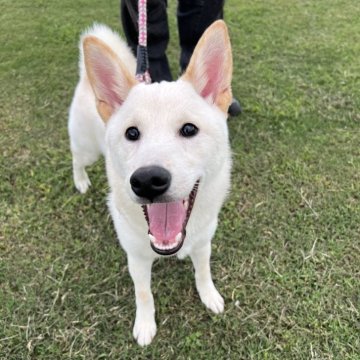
210 67
108 76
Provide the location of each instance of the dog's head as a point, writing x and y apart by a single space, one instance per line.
165 140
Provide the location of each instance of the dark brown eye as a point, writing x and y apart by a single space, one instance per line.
189 130
132 133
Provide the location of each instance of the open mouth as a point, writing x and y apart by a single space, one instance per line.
167 223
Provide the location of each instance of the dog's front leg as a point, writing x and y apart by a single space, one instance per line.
145 326
204 284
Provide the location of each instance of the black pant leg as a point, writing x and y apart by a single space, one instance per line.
158 34
194 17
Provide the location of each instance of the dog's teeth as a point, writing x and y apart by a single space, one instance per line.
178 237
152 237
186 204
164 247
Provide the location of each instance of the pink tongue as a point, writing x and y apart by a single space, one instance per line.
166 220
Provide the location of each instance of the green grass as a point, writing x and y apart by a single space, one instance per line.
286 256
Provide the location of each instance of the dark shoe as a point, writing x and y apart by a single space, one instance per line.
235 108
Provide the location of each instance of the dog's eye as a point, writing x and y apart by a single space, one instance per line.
132 133
189 130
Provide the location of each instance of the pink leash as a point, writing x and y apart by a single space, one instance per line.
142 67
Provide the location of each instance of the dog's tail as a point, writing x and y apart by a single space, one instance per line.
113 40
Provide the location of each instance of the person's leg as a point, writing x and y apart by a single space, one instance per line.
194 17
158 34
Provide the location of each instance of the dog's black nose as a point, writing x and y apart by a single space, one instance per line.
150 181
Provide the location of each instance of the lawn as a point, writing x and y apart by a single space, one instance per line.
286 256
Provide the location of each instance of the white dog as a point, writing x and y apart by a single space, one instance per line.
167 155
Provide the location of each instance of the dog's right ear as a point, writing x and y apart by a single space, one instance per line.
210 67
108 76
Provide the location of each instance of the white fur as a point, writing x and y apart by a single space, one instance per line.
86 129
159 110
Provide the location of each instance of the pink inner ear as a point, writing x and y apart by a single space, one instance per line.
213 71
107 84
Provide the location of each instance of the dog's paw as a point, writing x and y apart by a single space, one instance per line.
82 181
212 300
144 331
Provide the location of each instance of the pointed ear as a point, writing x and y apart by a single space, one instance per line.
108 76
210 67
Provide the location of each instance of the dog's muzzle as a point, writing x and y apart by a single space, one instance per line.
166 220
167 223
